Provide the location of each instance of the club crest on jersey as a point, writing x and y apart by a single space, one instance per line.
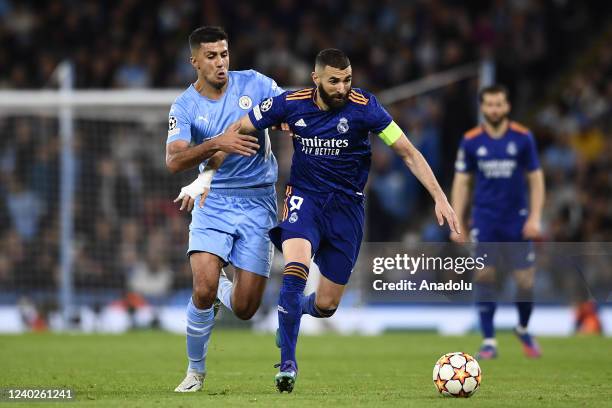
482 151
511 149
266 105
293 218
343 126
245 102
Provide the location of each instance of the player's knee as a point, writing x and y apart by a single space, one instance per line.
204 296
245 308
326 307
525 284
524 280
244 314
485 275
326 313
245 311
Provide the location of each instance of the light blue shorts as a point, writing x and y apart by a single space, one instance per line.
234 225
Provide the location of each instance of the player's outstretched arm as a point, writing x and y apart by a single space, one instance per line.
180 156
532 228
246 127
459 201
417 164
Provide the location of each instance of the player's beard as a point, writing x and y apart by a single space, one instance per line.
335 101
218 84
215 81
495 122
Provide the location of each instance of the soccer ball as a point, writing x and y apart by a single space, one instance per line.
457 374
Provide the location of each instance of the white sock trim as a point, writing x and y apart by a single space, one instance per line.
520 329
491 341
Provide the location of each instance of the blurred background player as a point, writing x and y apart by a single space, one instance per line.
241 208
324 206
500 156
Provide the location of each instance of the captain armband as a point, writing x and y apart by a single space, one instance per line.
391 133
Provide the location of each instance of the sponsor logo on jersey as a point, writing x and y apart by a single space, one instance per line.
482 151
497 168
245 102
300 123
322 147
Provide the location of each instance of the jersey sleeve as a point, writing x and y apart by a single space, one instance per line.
270 111
530 154
377 116
381 123
179 124
271 88
465 161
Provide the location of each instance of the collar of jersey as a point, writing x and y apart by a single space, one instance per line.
314 99
206 98
484 130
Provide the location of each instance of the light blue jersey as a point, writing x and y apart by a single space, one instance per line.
195 119
241 206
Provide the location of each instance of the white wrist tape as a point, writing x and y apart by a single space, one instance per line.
198 186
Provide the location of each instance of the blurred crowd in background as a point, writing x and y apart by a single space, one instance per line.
555 56
136 43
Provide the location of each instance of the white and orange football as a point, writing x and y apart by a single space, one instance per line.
457 374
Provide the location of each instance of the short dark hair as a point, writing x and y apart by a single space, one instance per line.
206 34
492 89
332 57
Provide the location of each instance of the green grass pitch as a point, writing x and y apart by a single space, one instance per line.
141 369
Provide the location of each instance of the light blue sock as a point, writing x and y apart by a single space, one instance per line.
199 327
224 292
